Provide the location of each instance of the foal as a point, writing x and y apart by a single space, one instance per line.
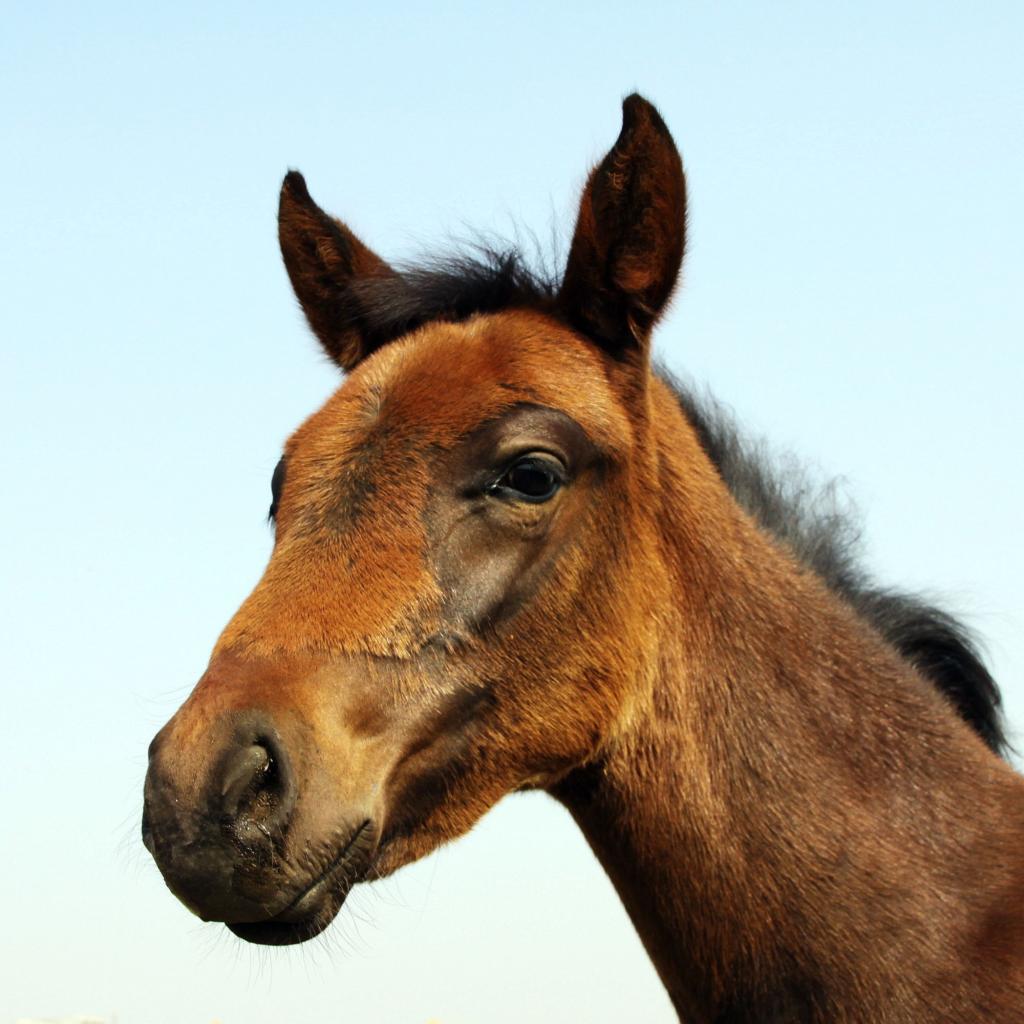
510 555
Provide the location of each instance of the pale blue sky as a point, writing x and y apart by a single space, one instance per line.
853 290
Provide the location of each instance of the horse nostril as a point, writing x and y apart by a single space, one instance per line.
245 776
256 795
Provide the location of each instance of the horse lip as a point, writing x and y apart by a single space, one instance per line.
348 867
313 908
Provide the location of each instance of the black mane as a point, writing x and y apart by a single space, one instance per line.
484 279
806 517
811 520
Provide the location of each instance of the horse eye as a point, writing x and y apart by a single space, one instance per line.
531 479
276 483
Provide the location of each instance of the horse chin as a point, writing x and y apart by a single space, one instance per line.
304 920
318 905
283 933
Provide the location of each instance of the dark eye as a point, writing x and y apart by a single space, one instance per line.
532 478
276 483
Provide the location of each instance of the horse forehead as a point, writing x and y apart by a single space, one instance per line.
445 379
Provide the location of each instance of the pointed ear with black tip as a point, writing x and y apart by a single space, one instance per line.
630 234
326 263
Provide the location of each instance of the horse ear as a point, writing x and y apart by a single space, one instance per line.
326 262
630 235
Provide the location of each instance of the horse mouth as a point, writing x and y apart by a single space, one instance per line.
315 906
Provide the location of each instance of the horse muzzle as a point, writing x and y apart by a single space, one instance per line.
234 841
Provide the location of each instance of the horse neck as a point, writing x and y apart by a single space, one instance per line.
791 815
